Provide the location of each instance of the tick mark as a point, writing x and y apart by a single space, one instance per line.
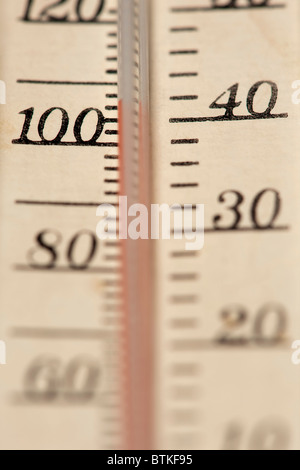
184 97
184 141
184 52
184 163
183 29
183 74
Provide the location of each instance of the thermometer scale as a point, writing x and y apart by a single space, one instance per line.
215 125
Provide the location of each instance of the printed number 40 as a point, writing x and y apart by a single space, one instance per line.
232 103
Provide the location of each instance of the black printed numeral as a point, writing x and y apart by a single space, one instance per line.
77 10
271 433
62 127
48 379
232 103
268 327
268 92
274 201
79 253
